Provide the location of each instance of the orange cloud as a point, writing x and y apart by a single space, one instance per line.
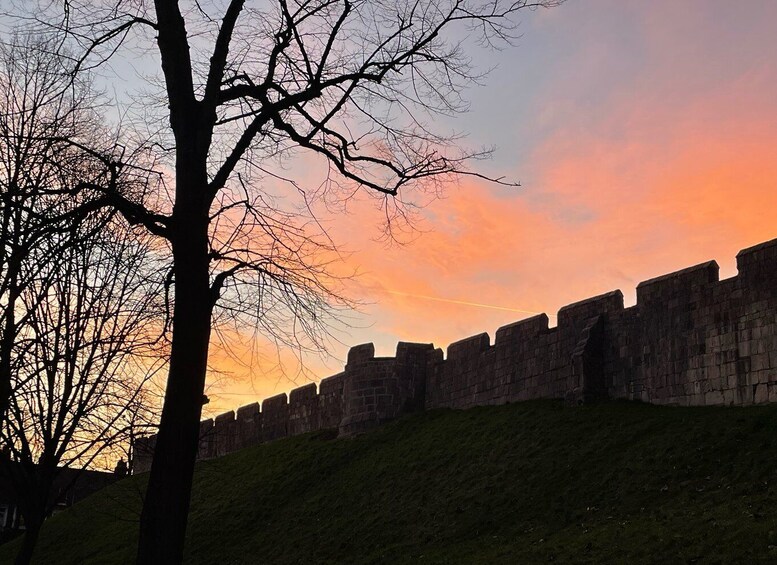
603 209
643 165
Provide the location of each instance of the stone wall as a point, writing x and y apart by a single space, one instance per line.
691 339
371 390
378 389
528 359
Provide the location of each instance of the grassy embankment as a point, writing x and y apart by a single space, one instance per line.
524 483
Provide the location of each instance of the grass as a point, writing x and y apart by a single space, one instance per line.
534 482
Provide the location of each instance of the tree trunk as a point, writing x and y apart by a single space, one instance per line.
166 507
30 540
8 335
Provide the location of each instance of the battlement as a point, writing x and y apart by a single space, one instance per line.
249 425
225 419
371 390
361 354
302 394
683 283
274 404
521 330
331 385
574 315
691 339
248 413
303 409
465 348
758 264
225 436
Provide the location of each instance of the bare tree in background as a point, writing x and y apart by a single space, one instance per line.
79 305
356 83
53 151
31 112
85 358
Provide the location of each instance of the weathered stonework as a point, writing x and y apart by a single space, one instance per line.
275 418
249 425
207 446
330 402
225 433
303 410
378 389
691 339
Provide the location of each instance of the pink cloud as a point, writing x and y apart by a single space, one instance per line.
657 151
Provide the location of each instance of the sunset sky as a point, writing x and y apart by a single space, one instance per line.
644 135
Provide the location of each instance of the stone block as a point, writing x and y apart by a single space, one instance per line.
759 362
713 397
761 394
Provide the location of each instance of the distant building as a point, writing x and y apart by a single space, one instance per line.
70 486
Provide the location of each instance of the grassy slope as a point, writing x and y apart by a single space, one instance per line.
524 483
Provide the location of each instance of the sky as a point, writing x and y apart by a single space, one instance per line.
644 135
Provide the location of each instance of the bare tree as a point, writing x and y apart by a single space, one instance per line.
31 114
79 307
356 83
82 368
53 151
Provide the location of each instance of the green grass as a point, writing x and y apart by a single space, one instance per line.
525 483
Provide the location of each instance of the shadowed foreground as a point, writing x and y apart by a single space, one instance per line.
531 482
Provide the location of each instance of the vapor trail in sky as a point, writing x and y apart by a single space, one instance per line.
463 302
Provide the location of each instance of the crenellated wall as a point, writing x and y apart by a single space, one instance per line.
371 390
378 389
691 339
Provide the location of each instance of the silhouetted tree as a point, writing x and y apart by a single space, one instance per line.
79 311
29 95
82 359
357 83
